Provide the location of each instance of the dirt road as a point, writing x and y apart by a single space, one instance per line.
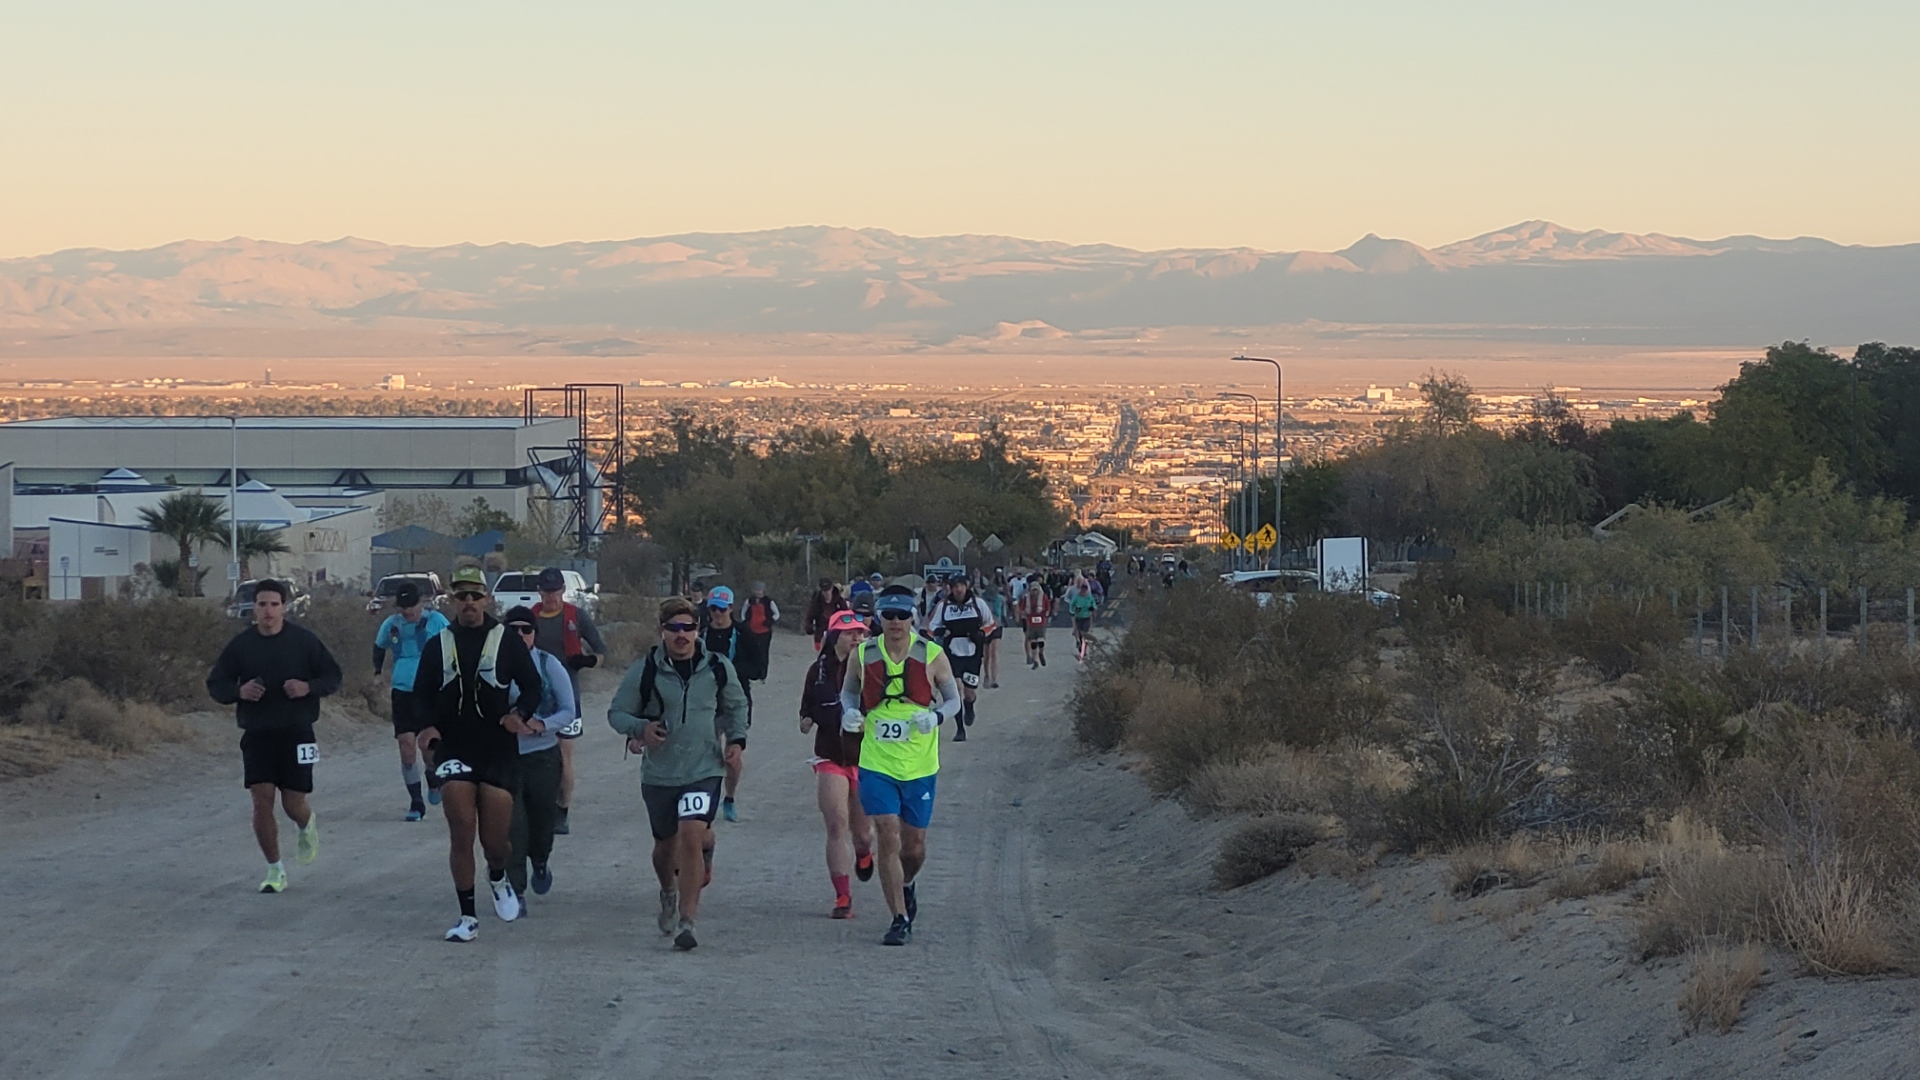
1066 931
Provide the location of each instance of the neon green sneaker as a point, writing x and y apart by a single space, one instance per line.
276 880
307 844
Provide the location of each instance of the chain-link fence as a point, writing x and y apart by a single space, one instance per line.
1734 617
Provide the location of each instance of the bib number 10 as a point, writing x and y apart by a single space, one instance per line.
891 730
694 804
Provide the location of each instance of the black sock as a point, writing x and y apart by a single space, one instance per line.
496 875
466 901
413 790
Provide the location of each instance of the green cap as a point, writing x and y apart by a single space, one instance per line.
468 575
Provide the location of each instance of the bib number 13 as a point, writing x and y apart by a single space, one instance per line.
306 753
891 731
694 804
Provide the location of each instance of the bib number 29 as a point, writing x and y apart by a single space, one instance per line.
694 804
306 753
891 731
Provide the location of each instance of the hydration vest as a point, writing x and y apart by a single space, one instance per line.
758 619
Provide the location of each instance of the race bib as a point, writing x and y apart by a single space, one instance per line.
453 769
693 804
970 679
306 753
894 731
961 646
572 730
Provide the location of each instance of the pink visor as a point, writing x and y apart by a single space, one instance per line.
846 620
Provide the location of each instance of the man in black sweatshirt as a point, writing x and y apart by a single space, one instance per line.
275 673
474 692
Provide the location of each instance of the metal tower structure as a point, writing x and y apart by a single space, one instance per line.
584 476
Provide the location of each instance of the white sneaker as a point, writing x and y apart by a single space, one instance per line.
466 929
505 903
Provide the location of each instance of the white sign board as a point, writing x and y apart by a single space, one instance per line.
1343 564
960 538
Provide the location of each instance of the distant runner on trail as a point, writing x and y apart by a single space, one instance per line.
682 709
478 687
960 622
274 674
890 696
755 646
836 761
536 791
405 634
820 609
724 636
1081 605
1036 609
565 631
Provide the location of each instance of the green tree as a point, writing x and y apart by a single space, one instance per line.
254 540
1450 405
189 519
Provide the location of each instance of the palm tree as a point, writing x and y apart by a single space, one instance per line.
188 519
254 540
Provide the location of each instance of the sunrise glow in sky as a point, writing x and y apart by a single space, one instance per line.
1267 124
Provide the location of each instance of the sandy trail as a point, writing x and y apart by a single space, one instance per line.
1065 931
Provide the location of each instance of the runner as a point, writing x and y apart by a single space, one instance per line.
820 609
755 644
836 762
723 636
560 630
892 702
536 792
470 723
934 591
684 711
274 674
1036 610
996 598
406 633
1081 605
960 623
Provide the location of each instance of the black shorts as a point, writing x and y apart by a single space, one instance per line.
998 633
966 669
668 806
1081 626
283 757
475 765
402 702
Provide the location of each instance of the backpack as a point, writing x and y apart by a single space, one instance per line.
650 680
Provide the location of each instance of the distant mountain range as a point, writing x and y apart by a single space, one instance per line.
1534 280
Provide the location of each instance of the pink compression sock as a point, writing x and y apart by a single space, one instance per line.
842 885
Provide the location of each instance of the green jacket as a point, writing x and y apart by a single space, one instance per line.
701 716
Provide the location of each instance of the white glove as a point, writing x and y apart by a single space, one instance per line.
925 721
852 722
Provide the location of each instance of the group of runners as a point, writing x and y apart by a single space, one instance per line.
485 708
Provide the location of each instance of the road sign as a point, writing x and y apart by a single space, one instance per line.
1230 541
944 570
993 542
960 538
1265 539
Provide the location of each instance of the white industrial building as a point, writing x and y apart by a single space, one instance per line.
75 486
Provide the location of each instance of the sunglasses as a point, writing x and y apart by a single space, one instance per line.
469 596
679 627
521 627
896 615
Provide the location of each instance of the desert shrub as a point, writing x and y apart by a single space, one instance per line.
630 565
627 641
1102 703
1651 746
1610 867
155 651
1183 725
1618 636
1198 630
342 622
1262 847
1878 682
643 608
1273 779
1718 984
77 710
1710 894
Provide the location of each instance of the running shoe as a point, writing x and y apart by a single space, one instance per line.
960 732
727 811
669 910
560 826
863 865
684 940
276 880
306 845
466 929
433 799
505 903
416 813
542 879
911 894
900 932
842 907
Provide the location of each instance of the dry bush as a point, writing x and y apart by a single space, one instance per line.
1264 846
1276 778
627 642
1718 984
1514 863
1707 895
1182 726
633 607
1838 923
77 710
156 651
344 625
1198 630
1877 683
1610 867
1619 636
1102 704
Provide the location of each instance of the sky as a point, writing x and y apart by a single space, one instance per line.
1273 125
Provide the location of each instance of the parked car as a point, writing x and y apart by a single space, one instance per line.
241 606
518 587
426 581
1264 585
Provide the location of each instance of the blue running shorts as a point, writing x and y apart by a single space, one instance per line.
910 800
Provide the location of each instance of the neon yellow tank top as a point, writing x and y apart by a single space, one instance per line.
891 745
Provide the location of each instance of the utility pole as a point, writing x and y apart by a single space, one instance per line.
1279 439
233 509
1250 522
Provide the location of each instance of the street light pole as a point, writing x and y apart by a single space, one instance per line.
1279 439
1253 515
233 511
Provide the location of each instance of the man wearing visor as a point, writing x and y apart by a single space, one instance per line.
405 634
897 691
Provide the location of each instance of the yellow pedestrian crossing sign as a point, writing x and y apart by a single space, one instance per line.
1265 539
1230 541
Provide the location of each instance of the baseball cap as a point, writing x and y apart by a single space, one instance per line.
519 614
720 596
467 579
406 595
846 620
894 598
550 579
